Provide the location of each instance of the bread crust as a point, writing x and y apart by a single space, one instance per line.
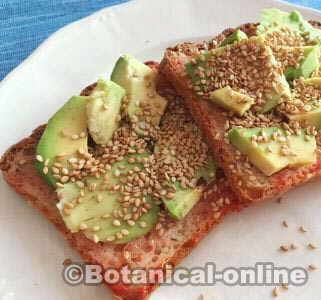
211 120
179 238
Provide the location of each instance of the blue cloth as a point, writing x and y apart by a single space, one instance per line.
26 23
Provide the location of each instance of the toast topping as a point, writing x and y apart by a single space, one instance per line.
115 188
265 82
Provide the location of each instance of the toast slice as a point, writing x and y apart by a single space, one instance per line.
169 245
245 179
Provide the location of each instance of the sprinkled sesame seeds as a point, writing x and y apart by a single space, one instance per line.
39 158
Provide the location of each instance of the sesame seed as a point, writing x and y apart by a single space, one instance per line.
116 223
217 215
96 228
131 223
22 162
125 232
312 246
39 158
302 229
65 171
284 248
143 224
313 267
80 184
83 226
75 137
96 238
275 292
111 238
99 198
119 235
69 205
64 179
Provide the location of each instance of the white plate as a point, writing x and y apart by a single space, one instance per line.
32 252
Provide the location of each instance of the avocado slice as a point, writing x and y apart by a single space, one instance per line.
313 116
96 218
236 36
103 110
272 97
183 201
185 198
232 100
65 134
274 19
309 65
139 82
278 151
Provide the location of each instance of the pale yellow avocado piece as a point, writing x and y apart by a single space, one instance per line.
232 100
139 81
280 92
103 110
304 147
268 156
313 117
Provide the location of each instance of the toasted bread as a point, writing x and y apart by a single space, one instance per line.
151 251
247 181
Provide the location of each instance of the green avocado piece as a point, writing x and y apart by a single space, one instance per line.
138 80
308 65
272 97
236 36
274 18
103 110
185 198
277 152
183 201
312 117
94 214
232 100
65 134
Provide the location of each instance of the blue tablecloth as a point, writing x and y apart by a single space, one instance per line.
24 24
